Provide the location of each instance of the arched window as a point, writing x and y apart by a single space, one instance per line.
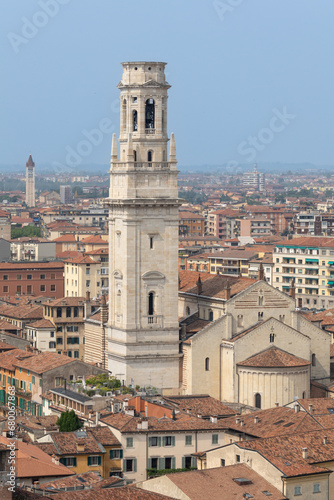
210 315
313 360
68 312
260 316
151 304
150 156
58 312
207 364
149 114
187 311
76 312
257 400
272 337
260 300
135 120
240 320
124 114
304 395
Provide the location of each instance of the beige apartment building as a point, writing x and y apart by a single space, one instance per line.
309 263
87 273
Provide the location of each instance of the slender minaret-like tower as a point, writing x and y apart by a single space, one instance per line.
143 337
30 182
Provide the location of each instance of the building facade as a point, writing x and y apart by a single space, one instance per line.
143 205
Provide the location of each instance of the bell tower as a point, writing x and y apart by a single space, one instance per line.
143 336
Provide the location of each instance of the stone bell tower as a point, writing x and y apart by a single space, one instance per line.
30 182
143 337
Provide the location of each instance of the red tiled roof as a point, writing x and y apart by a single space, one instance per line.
120 493
274 357
43 362
202 404
42 323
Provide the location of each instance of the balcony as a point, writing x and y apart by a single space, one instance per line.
153 321
22 392
150 131
104 270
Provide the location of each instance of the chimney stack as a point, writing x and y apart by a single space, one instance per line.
103 310
310 408
297 408
305 454
199 285
277 404
256 419
227 290
325 440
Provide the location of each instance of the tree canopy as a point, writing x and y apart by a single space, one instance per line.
68 422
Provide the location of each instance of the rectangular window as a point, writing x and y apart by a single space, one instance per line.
29 276
76 354
87 283
189 440
42 288
129 442
29 289
222 462
153 441
59 328
130 465
33 379
53 276
169 441
42 276
19 276
116 454
18 289
214 439
60 340
5 277
237 459
53 288
68 461
316 488
298 490
94 460
5 288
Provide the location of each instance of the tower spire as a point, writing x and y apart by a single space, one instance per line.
114 151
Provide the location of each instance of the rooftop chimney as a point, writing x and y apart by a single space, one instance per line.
97 418
237 420
304 450
325 440
199 285
214 419
256 419
310 408
87 296
297 408
227 290
277 405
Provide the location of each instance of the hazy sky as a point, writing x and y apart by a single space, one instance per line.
252 81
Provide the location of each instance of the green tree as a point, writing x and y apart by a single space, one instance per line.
68 422
18 232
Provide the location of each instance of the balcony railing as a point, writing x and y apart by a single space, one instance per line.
150 131
153 320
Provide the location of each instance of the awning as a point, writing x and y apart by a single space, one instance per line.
330 282
331 262
312 260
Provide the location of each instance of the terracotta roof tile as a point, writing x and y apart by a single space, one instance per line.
213 285
43 362
122 493
274 357
202 404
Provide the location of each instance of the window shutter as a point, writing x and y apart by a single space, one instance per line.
164 441
89 461
159 441
124 465
120 453
134 465
150 441
193 462
173 440
62 461
183 462
111 453
161 464
149 463
99 461
74 461
173 462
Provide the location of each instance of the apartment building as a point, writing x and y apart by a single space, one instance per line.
308 262
280 219
223 223
191 224
314 223
234 261
32 278
5 225
254 180
32 249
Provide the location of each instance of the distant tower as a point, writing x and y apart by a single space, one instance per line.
143 343
30 182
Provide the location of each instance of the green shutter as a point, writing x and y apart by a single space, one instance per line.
193 462
99 461
173 462
150 441
149 463
120 453
134 465
164 441
161 464
173 440
75 462
89 461
159 441
183 462
62 461
124 465
111 455
25 386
